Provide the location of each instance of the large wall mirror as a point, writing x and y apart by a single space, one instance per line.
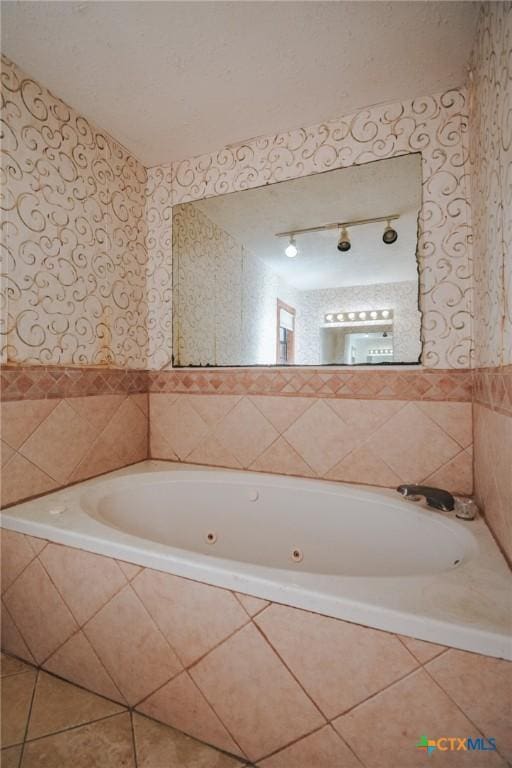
320 270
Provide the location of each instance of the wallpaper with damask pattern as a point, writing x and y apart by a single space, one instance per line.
491 166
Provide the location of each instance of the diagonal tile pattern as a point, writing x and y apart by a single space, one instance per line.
194 617
254 694
490 707
259 681
322 748
320 653
384 730
86 581
334 434
158 745
51 723
52 442
181 704
39 612
376 442
130 645
57 705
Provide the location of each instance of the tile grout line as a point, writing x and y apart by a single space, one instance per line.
75 727
6 608
134 741
58 400
251 616
456 704
29 461
203 696
266 639
35 556
114 594
36 680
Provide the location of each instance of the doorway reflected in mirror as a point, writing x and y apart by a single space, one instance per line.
300 272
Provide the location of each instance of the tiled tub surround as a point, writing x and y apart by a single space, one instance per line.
375 442
104 416
51 723
53 442
378 574
492 427
277 685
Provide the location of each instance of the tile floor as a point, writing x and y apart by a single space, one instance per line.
49 723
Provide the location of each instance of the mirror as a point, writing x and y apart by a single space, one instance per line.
319 270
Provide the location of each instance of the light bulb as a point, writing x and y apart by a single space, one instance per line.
291 248
340 317
385 313
351 315
362 315
329 318
373 315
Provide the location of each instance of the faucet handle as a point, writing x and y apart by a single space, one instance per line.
465 509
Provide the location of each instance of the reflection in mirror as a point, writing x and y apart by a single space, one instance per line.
319 270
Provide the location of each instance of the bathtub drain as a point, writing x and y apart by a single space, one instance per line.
297 555
211 537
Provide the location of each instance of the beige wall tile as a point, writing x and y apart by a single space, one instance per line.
339 664
194 617
131 647
181 705
254 694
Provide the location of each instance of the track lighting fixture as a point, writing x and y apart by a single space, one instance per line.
390 235
344 241
291 248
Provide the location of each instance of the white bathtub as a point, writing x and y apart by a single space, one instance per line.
364 556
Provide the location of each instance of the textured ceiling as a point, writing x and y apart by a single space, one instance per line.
174 79
382 188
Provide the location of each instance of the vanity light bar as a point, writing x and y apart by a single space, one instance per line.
373 352
359 317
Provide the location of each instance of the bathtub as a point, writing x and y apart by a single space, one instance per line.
360 555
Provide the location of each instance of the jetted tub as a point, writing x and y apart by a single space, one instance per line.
366 556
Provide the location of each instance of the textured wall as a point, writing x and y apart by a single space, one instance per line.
436 126
74 235
80 216
158 214
401 297
276 685
491 184
491 187
225 312
225 296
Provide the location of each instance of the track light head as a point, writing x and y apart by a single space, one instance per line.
344 241
390 235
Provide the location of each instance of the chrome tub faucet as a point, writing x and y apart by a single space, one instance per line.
437 498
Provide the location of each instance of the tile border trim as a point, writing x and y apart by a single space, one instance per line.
42 382
39 382
424 384
492 387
